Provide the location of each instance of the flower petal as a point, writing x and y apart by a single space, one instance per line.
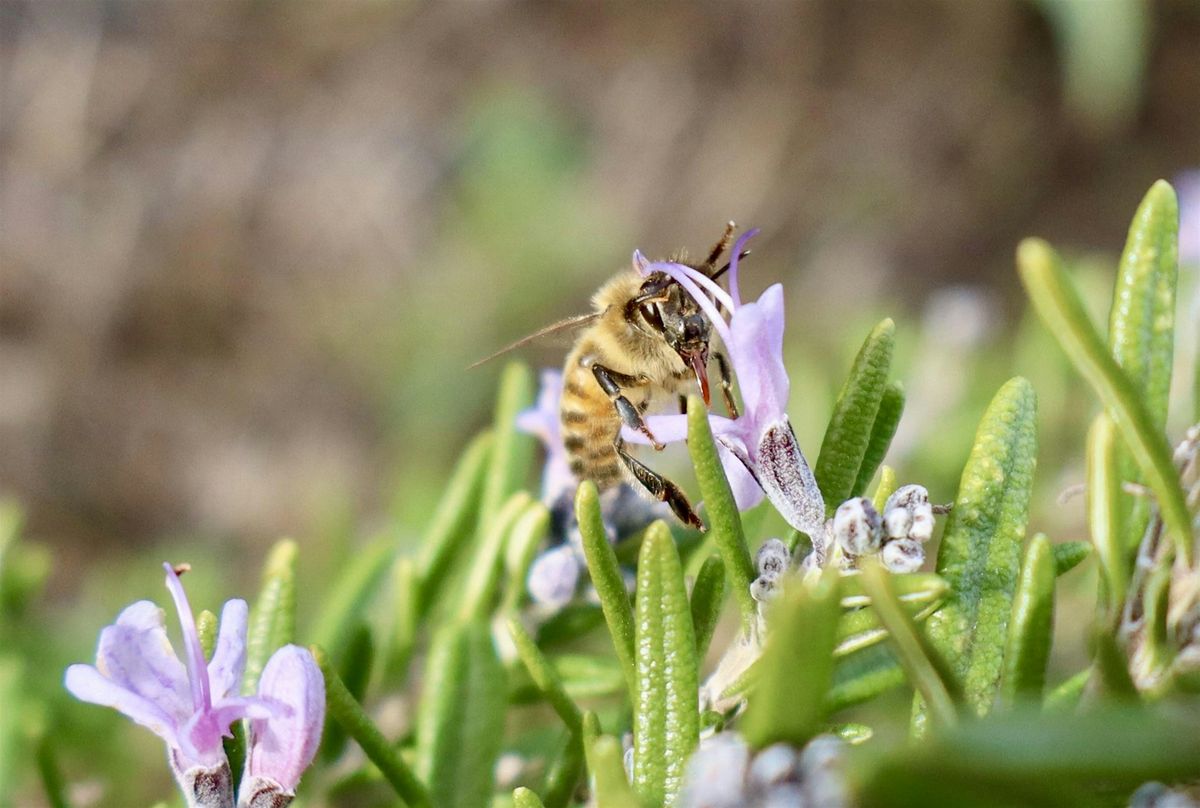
283 745
746 491
229 657
756 350
136 655
88 684
554 576
787 479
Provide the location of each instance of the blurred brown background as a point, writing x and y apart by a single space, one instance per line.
247 249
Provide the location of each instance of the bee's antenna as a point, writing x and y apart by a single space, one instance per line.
720 247
725 268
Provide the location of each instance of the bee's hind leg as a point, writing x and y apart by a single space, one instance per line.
661 488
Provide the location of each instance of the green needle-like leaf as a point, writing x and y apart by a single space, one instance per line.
887 486
1104 510
349 713
524 798
605 762
606 578
273 617
981 548
861 628
480 586
1141 328
796 668
666 723
1032 624
562 781
863 675
927 670
460 720
1111 668
12 741
1070 554
545 678
852 424
1060 308
708 595
891 407
355 672
913 587
724 520
350 594
406 594
527 535
1065 697
53 782
1025 760
512 450
454 520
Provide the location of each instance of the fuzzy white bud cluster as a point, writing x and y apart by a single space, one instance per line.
897 535
724 773
772 561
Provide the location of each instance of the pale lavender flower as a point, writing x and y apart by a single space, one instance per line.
543 421
758 450
554 576
283 745
189 706
1187 186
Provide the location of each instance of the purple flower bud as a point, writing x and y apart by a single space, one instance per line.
903 555
283 744
856 527
554 576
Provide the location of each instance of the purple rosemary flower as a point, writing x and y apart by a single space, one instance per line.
543 421
758 449
189 706
1187 186
283 745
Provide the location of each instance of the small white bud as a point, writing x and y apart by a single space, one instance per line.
776 764
716 773
922 522
856 527
903 555
772 559
787 795
907 496
763 589
897 523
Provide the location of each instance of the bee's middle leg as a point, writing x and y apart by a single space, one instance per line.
661 488
726 384
611 382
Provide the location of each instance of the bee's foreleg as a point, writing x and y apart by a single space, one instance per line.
661 488
726 384
611 382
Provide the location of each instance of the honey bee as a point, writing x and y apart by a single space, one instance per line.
644 345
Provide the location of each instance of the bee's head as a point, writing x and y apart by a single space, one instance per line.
672 313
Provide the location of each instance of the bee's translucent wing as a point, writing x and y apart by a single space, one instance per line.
567 324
